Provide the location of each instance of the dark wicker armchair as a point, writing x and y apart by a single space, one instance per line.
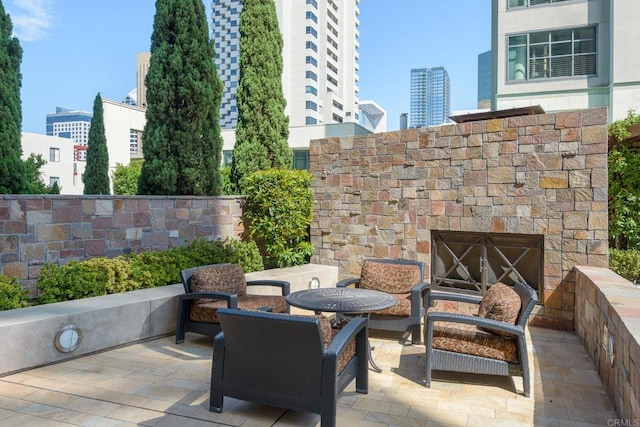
210 287
404 280
288 361
492 342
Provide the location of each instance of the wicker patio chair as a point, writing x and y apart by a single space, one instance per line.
404 280
210 287
288 361
492 342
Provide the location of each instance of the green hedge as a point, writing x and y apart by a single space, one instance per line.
102 276
626 263
11 294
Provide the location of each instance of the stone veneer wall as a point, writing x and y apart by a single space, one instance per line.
57 229
380 195
607 314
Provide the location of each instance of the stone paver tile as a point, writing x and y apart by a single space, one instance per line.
92 406
23 420
123 385
17 391
140 416
98 421
395 420
55 413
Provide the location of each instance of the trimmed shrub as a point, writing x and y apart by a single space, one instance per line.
102 276
626 263
12 295
279 209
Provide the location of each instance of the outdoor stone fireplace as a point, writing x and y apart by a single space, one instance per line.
542 177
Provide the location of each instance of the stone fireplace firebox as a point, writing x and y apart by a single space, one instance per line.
536 181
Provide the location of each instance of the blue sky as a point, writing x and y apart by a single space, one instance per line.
74 49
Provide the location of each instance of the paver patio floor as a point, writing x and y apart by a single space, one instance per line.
159 383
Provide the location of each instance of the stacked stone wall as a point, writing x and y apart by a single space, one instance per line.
35 230
381 195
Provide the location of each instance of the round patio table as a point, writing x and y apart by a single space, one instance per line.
346 300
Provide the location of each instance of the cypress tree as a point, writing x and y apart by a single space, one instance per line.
263 128
12 169
181 142
96 173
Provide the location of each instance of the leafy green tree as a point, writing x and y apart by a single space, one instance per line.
96 173
12 173
34 182
182 141
279 210
125 178
263 128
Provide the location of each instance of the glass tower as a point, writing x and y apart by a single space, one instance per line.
430 97
484 80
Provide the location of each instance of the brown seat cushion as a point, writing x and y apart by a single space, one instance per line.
389 277
402 308
501 303
469 339
224 278
207 311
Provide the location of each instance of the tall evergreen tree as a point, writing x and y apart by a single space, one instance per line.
96 173
12 169
181 142
263 128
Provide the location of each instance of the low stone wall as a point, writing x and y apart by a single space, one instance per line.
607 309
107 321
38 229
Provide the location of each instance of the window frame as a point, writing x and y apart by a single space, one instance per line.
550 53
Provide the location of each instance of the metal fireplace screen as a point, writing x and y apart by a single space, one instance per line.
472 262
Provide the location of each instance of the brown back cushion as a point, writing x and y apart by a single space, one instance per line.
225 278
501 303
389 277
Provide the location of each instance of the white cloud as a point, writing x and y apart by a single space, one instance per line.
31 19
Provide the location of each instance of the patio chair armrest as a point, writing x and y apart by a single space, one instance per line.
418 292
232 299
347 282
357 325
480 322
282 284
450 296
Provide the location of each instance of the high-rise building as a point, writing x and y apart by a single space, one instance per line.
72 124
430 97
484 80
565 55
142 68
320 59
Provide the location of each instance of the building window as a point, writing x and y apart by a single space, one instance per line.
311 60
311 75
53 180
526 3
312 31
548 54
54 154
312 46
313 3
337 118
311 89
311 16
310 105
227 157
134 139
310 121
301 159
